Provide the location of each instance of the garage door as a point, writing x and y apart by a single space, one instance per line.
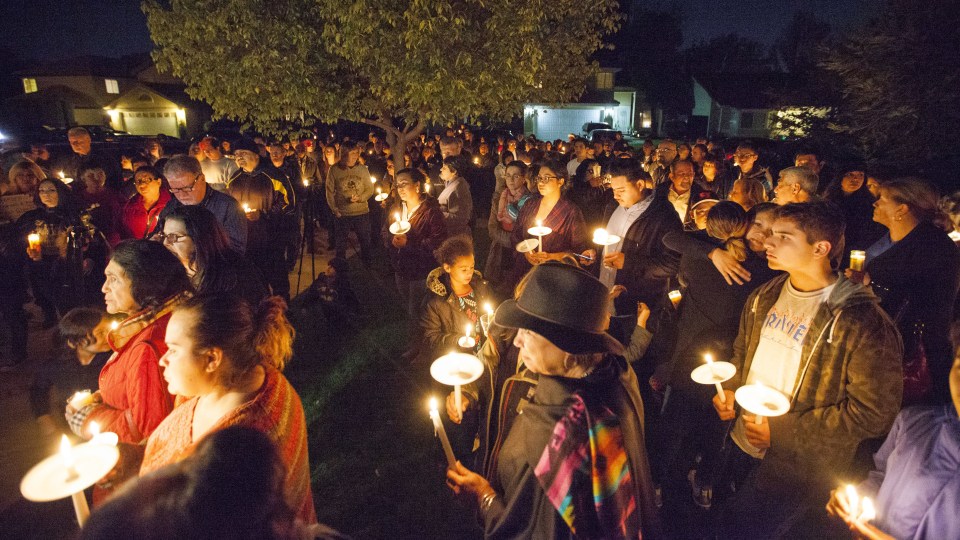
558 123
151 123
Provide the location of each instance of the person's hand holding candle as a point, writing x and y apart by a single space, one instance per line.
757 434
471 485
614 260
725 410
451 403
399 240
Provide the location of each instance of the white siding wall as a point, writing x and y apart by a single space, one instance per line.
548 123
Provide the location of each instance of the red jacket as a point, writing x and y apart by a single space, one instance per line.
134 393
136 221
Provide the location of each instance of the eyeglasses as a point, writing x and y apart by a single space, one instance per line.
186 189
145 181
543 179
171 238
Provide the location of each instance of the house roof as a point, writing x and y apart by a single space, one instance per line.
754 90
93 66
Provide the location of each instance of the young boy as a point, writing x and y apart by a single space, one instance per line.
84 351
823 342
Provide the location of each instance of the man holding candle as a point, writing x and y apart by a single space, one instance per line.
638 262
823 341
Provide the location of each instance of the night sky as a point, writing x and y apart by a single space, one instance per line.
52 29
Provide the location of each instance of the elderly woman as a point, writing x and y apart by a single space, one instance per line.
144 283
574 463
194 235
551 210
22 178
412 252
226 359
142 212
915 270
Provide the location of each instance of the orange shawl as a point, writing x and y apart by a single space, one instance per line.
275 410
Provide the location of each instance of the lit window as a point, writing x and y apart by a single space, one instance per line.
29 86
604 80
112 86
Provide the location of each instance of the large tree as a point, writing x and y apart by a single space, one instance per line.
900 82
395 64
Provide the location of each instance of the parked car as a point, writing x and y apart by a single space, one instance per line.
590 126
605 135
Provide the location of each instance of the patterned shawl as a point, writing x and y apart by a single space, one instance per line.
585 473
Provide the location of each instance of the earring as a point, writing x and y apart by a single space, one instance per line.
897 217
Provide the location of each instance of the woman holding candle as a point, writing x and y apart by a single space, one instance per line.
915 485
850 193
915 270
144 283
55 265
457 293
504 212
551 210
194 235
412 252
140 213
548 483
226 359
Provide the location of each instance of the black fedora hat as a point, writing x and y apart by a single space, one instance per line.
564 304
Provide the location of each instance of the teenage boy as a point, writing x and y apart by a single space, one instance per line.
823 342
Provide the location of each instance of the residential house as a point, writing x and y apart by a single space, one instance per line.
602 101
127 94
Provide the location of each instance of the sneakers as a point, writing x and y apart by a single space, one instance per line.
702 495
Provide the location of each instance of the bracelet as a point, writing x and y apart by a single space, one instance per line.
487 500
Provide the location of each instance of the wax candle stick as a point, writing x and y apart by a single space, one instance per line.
723 398
81 399
440 432
467 341
675 297
540 236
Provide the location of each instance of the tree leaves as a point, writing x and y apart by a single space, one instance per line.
431 60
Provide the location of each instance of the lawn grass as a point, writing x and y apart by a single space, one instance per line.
376 468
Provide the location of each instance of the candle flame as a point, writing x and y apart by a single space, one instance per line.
114 325
469 330
488 309
373 179
869 512
94 428
539 223
62 176
708 357
379 191
65 448
433 405
397 215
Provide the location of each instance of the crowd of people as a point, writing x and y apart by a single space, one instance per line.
609 273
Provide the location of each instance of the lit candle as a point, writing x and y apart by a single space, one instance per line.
869 512
114 325
853 500
373 179
723 398
66 454
81 399
467 341
476 160
540 236
246 208
427 187
33 241
107 438
856 260
64 179
600 236
675 297
306 182
440 432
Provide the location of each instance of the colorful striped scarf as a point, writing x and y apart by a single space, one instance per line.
585 473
